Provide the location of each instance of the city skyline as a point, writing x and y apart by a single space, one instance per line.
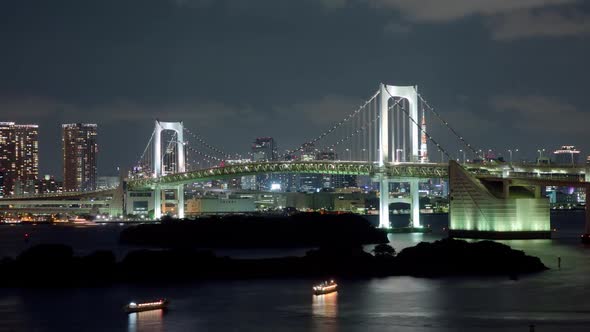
514 153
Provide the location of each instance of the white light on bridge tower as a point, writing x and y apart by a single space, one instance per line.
158 170
177 127
386 134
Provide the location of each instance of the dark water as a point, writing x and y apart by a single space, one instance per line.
557 300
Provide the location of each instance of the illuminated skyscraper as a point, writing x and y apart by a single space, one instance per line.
264 149
424 140
19 157
79 156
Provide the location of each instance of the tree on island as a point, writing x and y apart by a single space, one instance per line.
384 250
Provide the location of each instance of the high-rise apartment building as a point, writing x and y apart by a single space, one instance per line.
19 157
264 149
79 156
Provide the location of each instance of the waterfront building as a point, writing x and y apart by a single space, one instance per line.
107 182
48 184
213 205
19 157
80 150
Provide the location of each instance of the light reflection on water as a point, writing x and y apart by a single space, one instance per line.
146 321
325 312
555 300
325 305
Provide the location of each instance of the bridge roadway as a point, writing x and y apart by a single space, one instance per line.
61 195
566 173
547 174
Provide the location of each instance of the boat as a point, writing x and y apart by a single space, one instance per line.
325 288
145 306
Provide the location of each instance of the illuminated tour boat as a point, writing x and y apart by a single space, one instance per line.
325 288
137 307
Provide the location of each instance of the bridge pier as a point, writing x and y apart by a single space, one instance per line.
159 191
384 202
180 201
414 191
157 202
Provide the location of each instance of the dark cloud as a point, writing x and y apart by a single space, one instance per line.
545 23
234 70
538 113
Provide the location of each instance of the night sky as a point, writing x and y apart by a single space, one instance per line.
505 73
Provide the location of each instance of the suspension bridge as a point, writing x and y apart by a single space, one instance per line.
385 139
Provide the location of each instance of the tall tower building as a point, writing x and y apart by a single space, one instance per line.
19 157
424 140
79 156
264 149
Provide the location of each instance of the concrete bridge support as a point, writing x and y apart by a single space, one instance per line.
180 201
481 208
415 216
384 202
157 194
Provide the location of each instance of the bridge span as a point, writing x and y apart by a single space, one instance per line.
384 139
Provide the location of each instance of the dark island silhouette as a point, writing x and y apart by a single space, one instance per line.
243 231
56 265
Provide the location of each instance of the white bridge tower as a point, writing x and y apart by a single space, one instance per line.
387 134
158 170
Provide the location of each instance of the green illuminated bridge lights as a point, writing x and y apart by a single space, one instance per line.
393 170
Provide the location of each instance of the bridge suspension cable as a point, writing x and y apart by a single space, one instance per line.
460 137
142 162
332 129
362 128
403 108
207 145
204 155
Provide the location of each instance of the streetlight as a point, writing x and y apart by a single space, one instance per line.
349 154
461 150
512 151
